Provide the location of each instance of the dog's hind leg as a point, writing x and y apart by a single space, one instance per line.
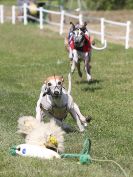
78 67
64 126
87 69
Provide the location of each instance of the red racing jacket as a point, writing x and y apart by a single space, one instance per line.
87 44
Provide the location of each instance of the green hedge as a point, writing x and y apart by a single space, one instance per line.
109 5
94 4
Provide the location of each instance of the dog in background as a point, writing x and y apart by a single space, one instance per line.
79 45
56 102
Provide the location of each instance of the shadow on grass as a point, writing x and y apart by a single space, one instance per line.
92 85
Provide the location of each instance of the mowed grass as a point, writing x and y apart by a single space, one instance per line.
27 57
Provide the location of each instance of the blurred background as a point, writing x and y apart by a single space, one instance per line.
88 4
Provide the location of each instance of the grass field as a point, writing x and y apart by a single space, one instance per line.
27 57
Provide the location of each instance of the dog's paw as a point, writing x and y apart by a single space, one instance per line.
88 119
89 78
85 124
82 129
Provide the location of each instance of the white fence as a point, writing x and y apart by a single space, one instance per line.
41 20
62 15
125 25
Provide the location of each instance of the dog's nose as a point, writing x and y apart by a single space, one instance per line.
56 92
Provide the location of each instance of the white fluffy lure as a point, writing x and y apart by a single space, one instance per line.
34 151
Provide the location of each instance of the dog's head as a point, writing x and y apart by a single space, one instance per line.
78 34
78 37
54 85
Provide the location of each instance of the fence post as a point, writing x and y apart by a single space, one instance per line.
127 35
80 19
102 31
1 14
62 22
25 13
41 17
13 14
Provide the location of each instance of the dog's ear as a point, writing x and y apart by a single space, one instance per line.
44 89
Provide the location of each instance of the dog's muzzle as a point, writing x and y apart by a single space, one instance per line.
57 92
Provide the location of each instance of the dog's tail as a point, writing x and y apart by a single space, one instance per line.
66 44
69 83
26 124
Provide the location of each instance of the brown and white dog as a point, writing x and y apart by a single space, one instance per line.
56 102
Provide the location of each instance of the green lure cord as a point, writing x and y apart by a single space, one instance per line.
84 156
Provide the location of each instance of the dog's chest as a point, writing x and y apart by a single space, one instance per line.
59 112
56 108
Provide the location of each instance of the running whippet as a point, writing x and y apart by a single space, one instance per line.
55 102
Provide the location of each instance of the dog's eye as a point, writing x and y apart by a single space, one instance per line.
59 83
49 84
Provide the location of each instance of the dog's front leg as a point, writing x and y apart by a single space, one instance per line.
76 117
64 126
73 66
87 58
75 60
81 117
39 112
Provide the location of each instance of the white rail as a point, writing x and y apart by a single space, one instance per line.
13 15
114 23
127 30
1 14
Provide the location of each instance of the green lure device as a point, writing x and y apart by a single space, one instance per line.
84 155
